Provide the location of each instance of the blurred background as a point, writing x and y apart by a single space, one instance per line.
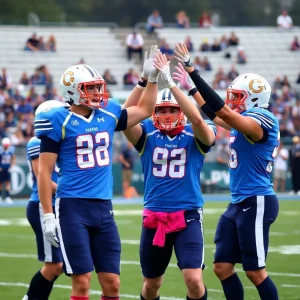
40 39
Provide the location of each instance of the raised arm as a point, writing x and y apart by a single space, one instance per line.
146 105
187 84
201 130
244 124
136 94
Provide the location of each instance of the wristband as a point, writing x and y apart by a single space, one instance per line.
141 84
193 91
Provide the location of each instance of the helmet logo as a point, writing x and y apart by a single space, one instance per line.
70 78
256 85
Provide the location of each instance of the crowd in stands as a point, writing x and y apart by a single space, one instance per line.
17 104
36 44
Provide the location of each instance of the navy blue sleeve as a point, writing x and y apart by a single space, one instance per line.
122 123
140 143
49 145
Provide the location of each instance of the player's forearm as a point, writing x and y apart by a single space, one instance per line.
209 95
188 108
148 99
45 191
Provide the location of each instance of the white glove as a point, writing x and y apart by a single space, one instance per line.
153 76
148 67
182 54
183 78
50 226
163 65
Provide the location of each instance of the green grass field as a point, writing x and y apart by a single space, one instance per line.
18 256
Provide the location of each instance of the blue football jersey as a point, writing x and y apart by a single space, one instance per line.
84 159
33 152
6 156
251 162
171 167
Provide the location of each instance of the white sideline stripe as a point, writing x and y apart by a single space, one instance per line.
95 292
290 285
128 262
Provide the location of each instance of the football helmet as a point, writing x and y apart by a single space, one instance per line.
74 87
248 90
167 122
5 142
47 105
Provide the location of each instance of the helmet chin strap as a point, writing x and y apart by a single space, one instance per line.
173 132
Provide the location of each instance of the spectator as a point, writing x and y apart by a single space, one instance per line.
221 81
223 42
32 43
241 56
31 96
222 155
129 191
205 47
24 79
126 158
296 116
284 21
165 49
206 64
216 47
298 79
131 78
109 79
233 73
135 43
189 44
280 168
51 44
205 20
41 44
295 165
24 108
233 39
154 21
277 83
8 106
285 82
10 120
6 81
17 137
295 46
197 64
48 95
182 20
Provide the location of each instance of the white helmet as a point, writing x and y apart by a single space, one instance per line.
5 142
166 122
74 82
47 105
248 90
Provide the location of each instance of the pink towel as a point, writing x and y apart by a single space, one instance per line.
164 222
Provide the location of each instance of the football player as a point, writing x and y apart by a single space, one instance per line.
172 154
242 234
42 282
80 140
7 161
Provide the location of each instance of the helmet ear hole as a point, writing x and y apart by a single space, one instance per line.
254 99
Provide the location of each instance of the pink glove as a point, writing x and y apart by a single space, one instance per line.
183 78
